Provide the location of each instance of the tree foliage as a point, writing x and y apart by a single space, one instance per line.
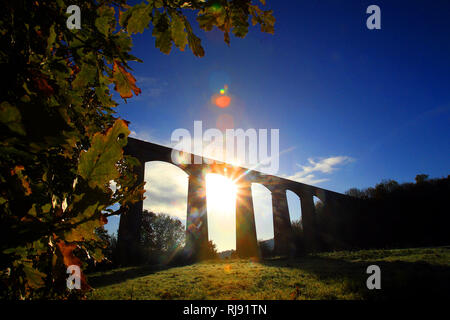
61 144
161 236
208 251
172 27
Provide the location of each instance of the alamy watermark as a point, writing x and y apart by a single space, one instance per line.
74 20
74 278
373 22
374 280
249 148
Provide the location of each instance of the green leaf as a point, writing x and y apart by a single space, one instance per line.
178 34
105 22
51 38
206 21
157 3
85 230
86 76
193 41
34 277
97 254
137 18
162 32
268 24
98 165
104 96
264 18
10 116
123 41
239 20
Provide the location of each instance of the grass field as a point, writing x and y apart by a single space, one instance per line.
405 273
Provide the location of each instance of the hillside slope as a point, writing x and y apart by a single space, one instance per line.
405 273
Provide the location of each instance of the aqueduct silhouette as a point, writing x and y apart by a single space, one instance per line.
197 219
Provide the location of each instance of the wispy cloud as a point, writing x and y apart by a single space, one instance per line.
151 87
324 166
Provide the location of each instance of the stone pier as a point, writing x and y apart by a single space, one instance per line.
246 241
197 218
282 230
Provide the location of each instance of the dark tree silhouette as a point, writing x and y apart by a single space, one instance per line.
387 216
161 237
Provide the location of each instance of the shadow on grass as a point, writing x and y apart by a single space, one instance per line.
120 275
399 280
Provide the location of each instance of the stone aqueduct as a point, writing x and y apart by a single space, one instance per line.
196 220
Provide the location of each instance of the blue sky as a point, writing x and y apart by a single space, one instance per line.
355 105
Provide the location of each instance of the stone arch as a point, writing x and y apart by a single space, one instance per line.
262 206
320 195
294 205
166 188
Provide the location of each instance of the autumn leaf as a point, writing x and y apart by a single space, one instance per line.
67 253
43 86
23 178
125 83
70 259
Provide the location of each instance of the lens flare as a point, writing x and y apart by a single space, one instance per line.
222 101
227 268
224 122
224 90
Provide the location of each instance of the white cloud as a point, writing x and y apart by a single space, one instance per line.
166 189
322 166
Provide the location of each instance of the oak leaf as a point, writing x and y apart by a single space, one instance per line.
125 83
98 164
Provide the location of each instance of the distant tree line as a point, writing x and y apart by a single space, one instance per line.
389 215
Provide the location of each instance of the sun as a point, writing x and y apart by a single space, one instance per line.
221 193
220 190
